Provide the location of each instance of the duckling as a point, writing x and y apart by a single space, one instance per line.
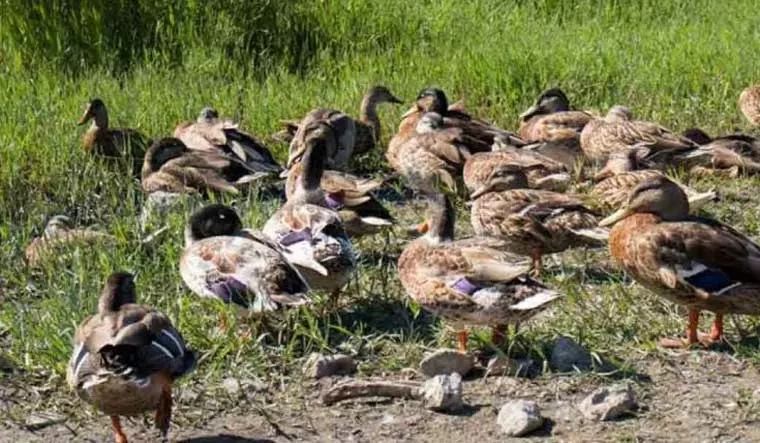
468 282
531 222
240 267
355 137
693 261
728 154
211 134
110 142
306 224
170 166
59 232
351 196
749 103
127 356
622 174
619 132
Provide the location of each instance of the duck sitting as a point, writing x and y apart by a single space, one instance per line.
749 104
468 282
211 134
728 155
240 267
127 356
619 132
59 232
532 222
693 261
306 225
622 174
169 166
111 142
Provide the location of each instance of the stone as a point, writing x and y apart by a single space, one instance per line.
387 419
446 361
232 386
442 392
518 418
505 366
609 402
568 356
41 420
318 365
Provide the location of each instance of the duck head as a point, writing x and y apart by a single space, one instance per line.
658 196
550 101
118 291
429 99
212 221
503 178
381 94
95 109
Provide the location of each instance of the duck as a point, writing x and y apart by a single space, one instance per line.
127 356
468 282
532 222
622 174
728 155
351 196
307 225
104 141
749 104
355 136
480 133
169 166
693 261
209 133
618 131
241 267
60 232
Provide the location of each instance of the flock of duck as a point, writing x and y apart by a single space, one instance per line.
127 355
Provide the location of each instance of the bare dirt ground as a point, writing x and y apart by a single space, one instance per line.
695 396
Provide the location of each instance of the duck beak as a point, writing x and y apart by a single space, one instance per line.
285 173
411 111
480 191
86 116
533 110
616 217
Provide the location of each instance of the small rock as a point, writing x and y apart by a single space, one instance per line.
387 419
232 386
319 365
505 366
442 392
519 417
567 355
446 361
609 402
42 420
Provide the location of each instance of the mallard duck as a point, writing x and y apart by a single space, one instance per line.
306 225
749 103
542 172
728 154
468 282
170 166
351 196
110 142
621 175
240 267
694 261
355 137
619 132
211 134
59 232
127 356
532 222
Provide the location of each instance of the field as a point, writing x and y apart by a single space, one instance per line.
681 63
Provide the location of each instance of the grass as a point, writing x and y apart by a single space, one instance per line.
682 64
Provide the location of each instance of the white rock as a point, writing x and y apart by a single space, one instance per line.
446 361
609 402
442 392
232 386
519 417
319 365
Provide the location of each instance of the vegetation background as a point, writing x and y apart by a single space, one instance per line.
682 63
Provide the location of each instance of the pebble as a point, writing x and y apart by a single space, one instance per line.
519 417
446 361
568 356
505 366
232 386
609 402
319 365
442 392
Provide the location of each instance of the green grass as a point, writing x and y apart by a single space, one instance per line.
683 64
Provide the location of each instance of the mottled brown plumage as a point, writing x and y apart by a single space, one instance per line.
104 141
728 155
59 234
542 172
749 103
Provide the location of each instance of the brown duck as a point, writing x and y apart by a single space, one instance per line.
104 141
749 103
729 155
58 234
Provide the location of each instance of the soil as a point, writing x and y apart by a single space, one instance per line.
694 396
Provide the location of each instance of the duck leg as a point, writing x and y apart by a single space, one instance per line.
717 328
462 341
499 335
536 264
692 334
118 434
164 409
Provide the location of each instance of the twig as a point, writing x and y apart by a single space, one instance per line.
363 388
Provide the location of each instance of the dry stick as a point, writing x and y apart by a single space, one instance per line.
362 388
